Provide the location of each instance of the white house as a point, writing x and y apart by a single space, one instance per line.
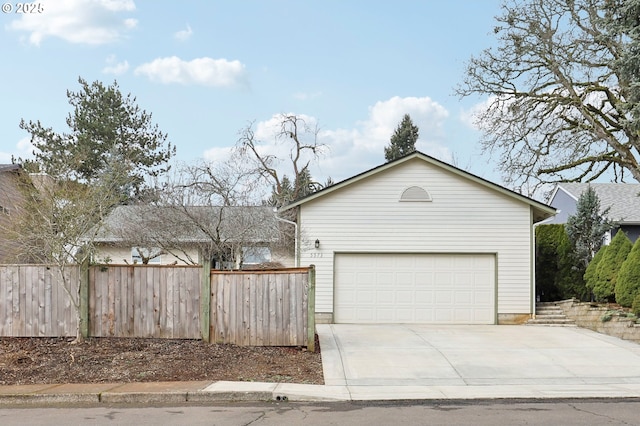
417 240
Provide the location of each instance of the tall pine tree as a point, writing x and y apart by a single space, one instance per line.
586 228
403 140
107 130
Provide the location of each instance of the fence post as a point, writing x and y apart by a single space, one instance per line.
83 303
205 299
311 310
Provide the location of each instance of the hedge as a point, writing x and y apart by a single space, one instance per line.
609 266
628 282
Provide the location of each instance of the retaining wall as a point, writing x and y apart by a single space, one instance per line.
603 319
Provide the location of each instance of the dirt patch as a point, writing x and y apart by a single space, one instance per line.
102 360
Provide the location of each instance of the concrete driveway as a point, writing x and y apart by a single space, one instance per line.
428 361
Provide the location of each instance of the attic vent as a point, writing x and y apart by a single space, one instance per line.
415 193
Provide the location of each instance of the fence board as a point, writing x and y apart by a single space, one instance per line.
33 303
259 308
140 301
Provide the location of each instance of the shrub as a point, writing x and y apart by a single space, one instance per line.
609 266
547 242
628 282
635 308
558 271
591 274
569 280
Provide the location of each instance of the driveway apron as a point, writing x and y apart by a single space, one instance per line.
470 356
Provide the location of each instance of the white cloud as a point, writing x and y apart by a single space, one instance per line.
218 153
361 148
23 149
200 71
114 67
469 117
184 35
354 150
78 21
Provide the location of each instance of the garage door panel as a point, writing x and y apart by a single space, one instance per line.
414 288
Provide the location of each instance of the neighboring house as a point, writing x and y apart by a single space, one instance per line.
417 240
12 204
622 200
10 200
232 237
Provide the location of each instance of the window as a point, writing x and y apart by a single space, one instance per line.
255 255
415 193
139 254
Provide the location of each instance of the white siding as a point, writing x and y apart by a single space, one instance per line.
464 217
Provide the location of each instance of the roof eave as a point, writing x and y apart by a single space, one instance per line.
545 210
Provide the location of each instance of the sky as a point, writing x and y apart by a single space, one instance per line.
206 70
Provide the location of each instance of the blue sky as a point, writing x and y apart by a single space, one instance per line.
205 69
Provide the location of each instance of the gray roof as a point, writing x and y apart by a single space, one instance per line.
623 199
8 167
194 224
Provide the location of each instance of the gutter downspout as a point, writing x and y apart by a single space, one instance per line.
295 236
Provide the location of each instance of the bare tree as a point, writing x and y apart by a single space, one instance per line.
290 178
61 220
210 210
559 106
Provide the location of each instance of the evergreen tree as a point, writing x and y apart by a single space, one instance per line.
403 140
609 266
106 128
558 274
570 281
591 273
628 283
547 241
587 227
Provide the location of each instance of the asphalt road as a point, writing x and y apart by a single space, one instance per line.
477 413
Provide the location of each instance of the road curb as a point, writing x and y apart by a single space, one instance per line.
135 398
59 398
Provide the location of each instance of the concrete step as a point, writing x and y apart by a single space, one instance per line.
547 321
546 316
549 314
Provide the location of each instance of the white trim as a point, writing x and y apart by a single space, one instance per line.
544 210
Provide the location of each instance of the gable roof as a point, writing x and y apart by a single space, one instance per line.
9 167
541 211
623 199
194 224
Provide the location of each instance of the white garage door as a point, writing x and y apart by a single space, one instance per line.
414 288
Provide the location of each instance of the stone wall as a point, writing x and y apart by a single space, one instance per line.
588 315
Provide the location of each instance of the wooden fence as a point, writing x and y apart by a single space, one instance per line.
33 302
263 308
259 308
144 301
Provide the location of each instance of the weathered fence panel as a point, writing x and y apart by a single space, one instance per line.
34 303
250 308
260 308
144 301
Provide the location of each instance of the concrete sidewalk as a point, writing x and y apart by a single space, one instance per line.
403 362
